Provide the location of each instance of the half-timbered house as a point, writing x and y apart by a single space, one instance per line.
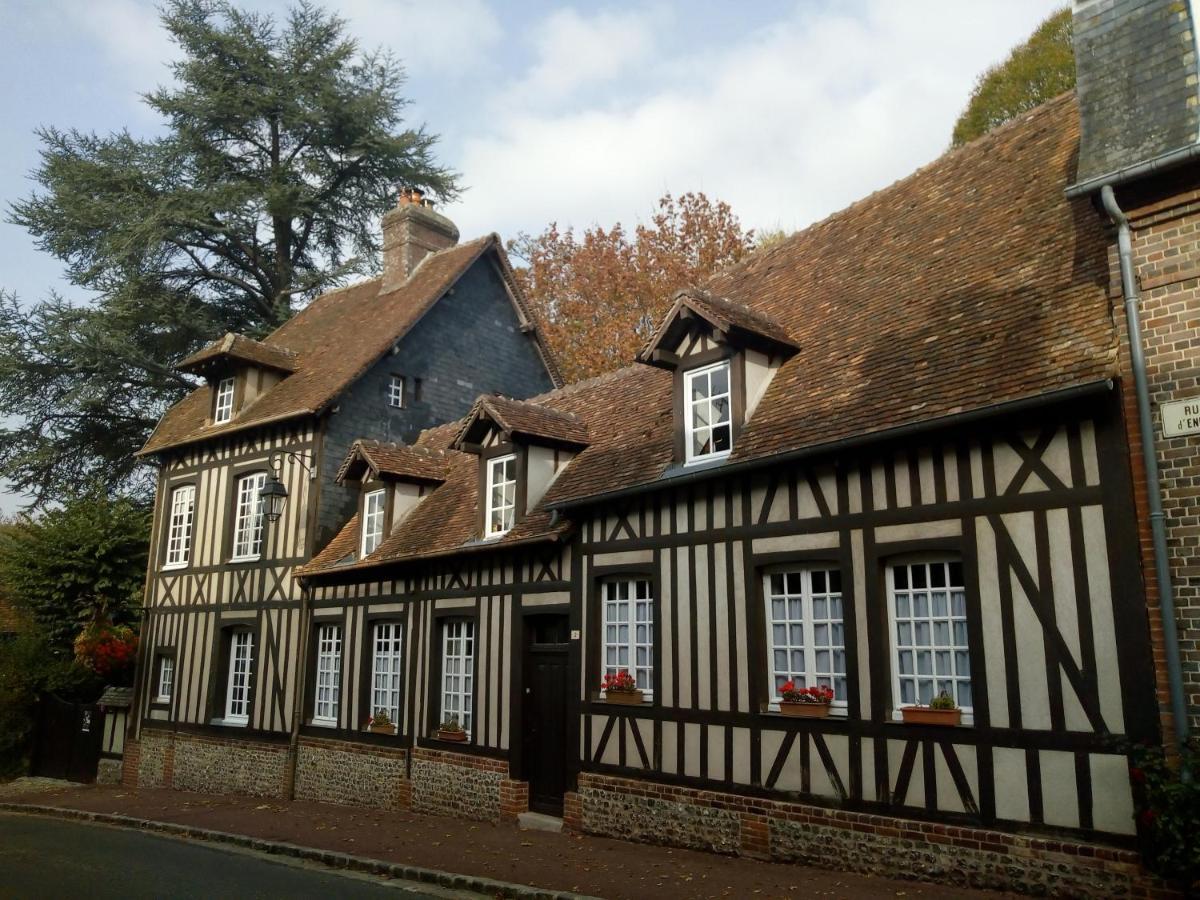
897 456
382 359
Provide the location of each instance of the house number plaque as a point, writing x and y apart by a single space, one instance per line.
1181 417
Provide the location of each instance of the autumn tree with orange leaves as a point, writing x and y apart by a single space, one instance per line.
600 293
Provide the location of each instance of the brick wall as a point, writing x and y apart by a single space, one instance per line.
1167 256
465 786
837 839
357 774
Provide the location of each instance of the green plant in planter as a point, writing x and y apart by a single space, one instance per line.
1167 798
451 726
380 720
943 701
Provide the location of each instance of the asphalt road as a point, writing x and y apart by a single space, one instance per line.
51 858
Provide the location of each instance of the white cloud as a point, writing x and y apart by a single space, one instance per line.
574 51
787 124
446 38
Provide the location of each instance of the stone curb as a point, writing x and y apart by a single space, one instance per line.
331 858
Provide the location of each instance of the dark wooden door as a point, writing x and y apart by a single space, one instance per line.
67 741
544 712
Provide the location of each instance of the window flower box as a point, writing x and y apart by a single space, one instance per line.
621 688
940 711
455 737
381 723
382 729
806 703
804 710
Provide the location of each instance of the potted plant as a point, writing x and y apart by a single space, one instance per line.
621 688
450 730
807 702
942 710
381 723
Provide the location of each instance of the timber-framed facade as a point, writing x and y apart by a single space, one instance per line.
803 477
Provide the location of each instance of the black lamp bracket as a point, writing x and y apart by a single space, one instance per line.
300 458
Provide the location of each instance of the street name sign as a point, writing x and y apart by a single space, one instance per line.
1181 417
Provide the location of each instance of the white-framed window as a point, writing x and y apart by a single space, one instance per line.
395 392
372 527
386 672
806 635
501 494
223 407
248 517
708 412
629 630
166 678
458 671
179 529
927 608
329 675
237 687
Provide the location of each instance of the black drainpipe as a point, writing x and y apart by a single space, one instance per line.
1158 527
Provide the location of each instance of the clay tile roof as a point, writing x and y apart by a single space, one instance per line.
527 419
334 340
723 314
239 348
396 460
972 282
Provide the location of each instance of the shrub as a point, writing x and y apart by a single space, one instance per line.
1167 798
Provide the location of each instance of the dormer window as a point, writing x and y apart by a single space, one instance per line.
501 494
372 531
223 405
708 415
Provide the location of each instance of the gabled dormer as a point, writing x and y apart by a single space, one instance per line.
238 371
392 480
724 355
522 447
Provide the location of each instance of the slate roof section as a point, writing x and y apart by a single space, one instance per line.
335 339
527 419
973 282
239 348
396 460
116 697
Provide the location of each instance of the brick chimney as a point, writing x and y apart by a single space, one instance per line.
411 232
1137 72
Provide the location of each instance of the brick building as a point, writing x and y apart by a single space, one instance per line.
897 456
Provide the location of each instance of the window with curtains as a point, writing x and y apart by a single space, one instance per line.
458 671
179 528
248 517
386 671
237 683
629 630
806 637
328 687
927 605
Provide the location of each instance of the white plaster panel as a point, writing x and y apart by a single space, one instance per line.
989 601
854 492
691 749
977 486
915 795
947 791
721 653
1112 795
741 607
1091 461
950 467
455 603
878 486
741 756
867 754
703 649
899 464
1005 463
683 609
1060 799
1012 784
917 531
1031 648
716 752
1104 630
827 479
1058 456
925 475
789 543
670 747
789 776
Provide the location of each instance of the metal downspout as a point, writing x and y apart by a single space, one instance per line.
1158 528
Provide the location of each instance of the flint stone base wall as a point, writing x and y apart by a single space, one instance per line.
214 765
465 786
109 771
860 842
358 774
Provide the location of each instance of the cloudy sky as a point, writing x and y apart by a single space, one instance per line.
575 113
